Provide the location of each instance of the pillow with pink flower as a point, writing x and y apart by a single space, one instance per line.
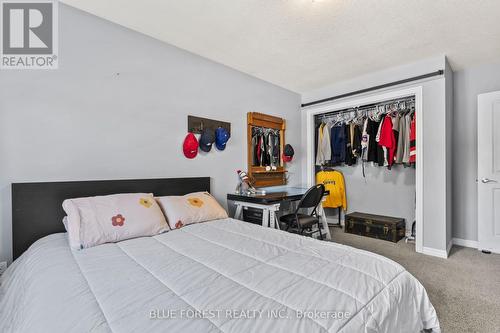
112 218
191 208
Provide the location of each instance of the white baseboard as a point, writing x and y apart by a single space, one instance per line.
448 247
465 242
439 253
435 252
334 221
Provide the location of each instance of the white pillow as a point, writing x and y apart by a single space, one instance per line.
191 208
112 218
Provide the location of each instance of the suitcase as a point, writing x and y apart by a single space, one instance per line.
376 226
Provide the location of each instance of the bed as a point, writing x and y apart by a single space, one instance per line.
217 276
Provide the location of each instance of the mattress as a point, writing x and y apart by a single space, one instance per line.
218 276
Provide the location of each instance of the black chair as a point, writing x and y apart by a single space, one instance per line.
303 222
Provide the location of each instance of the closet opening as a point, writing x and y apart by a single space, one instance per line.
374 144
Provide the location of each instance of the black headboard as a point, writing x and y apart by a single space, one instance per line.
37 210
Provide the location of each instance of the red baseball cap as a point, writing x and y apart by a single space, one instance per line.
190 146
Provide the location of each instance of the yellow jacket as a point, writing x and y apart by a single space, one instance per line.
334 182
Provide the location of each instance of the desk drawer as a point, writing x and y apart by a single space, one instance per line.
252 215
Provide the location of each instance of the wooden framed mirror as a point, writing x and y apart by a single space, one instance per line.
265 142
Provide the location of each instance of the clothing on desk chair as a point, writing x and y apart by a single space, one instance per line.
334 183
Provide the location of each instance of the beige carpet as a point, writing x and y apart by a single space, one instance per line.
464 289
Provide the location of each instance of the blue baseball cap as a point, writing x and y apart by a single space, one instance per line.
221 138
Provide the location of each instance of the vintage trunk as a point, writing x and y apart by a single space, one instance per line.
375 226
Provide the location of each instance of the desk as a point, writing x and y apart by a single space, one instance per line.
270 203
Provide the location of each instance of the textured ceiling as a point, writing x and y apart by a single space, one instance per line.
306 44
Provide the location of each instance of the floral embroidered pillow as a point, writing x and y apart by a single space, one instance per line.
107 219
191 208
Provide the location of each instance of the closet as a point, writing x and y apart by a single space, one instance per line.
422 189
373 146
382 133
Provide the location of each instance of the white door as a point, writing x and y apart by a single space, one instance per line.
488 133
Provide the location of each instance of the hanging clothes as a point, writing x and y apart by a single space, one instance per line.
378 134
387 140
356 141
406 142
395 131
338 144
365 141
413 141
265 147
262 151
371 130
324 146
401 140
334 183
267 158
376 153
353 144
255 153
382 159
273 148
277 149
316 139
350 159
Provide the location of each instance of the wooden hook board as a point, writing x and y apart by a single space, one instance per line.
198 124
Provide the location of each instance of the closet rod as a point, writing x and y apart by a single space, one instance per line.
382 86
366 107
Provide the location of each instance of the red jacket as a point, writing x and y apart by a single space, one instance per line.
387 138
413 142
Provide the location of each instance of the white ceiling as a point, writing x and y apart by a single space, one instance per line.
306 44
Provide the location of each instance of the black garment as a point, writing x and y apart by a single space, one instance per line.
350 159
255 157
371 130
255 144
380 155
353 146
275 148
266 160
356 143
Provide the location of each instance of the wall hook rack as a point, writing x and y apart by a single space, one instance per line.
197 124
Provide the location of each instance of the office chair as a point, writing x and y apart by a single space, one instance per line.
310 199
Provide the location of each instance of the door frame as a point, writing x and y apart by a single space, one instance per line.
483 102
416 91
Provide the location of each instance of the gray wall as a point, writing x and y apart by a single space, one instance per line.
384 192
84 122
468 83
398 187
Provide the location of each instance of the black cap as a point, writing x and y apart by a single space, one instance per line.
206 140
288 153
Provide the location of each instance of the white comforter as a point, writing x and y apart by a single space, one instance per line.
232 276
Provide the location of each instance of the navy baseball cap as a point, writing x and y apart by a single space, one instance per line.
288 153
206 140
221 138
